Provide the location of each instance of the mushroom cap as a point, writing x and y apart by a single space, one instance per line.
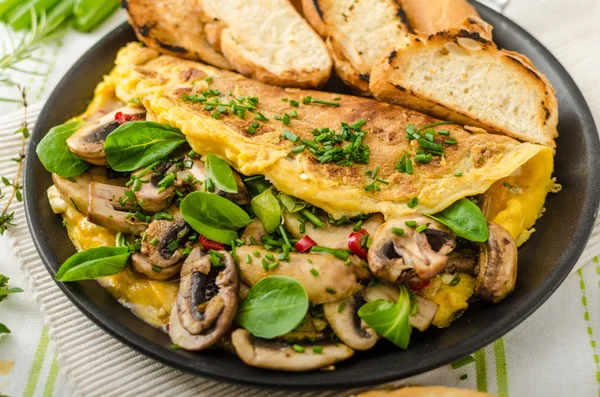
198 171
397 258
343 318
88 142
141 265
149 196
105 209
165 232
280 356
498 259
207 301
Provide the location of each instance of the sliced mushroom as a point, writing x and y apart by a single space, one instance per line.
160 235
152 197
396 258
281 356
253 233
207 301
343 319
325 277
198 173
497 265
88 141
76 190
142 265
331 236
107 208
426 309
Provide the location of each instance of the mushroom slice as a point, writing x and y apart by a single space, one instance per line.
141 265
160 246
426 309
397 258
497 265
106 209
198 173
150 196
76 190
331 236
88 141
207 300
325 277
343 319
281 356
253 233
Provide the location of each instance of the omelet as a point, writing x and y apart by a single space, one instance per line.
470 167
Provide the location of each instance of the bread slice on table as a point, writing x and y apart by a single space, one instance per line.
173 30
356 32
267 40
432 16
425 391
458 75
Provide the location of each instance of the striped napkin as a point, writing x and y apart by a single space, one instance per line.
553 353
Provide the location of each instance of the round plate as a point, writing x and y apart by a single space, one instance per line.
545 260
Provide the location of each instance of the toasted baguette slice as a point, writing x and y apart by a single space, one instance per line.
458 75
356 33
173 30
432 16
425 391
269 41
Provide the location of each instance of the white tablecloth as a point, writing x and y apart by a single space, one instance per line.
553 353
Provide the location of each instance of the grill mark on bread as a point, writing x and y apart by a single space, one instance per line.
365 77
392 56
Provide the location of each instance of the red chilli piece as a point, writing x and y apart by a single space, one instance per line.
419 285
304 244
123 118
354 240
209 244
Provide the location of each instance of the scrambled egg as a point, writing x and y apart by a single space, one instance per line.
451 298
150 300
517 201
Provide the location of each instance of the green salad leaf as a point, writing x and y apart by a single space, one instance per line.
221 174
55 155
465 219
94 263
273 307
215 217
390 319
291 204
257 184
136 144
267 209
4 290
4 329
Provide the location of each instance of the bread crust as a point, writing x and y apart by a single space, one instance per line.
431 16
351 65
388 83
174 31
234 52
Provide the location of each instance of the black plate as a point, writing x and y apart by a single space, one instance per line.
545 260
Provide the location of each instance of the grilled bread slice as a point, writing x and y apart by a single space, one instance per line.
458 75
269 41
173 30
432 16
356 33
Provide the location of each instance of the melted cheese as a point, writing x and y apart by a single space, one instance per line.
451 299
517 201
150 300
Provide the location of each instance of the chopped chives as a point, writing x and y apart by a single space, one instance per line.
256 253
314 272
154 241
341 307
269 256
457 174
398 231
163 215
290 136
410 223
330 291
156 269
273 265
248 259
413 202
260 117
450 141
265 264
409 167
444 132
357 226
317 349
298 149
294 103
298 348
421 228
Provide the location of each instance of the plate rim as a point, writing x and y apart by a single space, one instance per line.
170 358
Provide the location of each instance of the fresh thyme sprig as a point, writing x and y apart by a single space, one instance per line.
15 51
6 218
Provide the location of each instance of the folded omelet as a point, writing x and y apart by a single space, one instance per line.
164 85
